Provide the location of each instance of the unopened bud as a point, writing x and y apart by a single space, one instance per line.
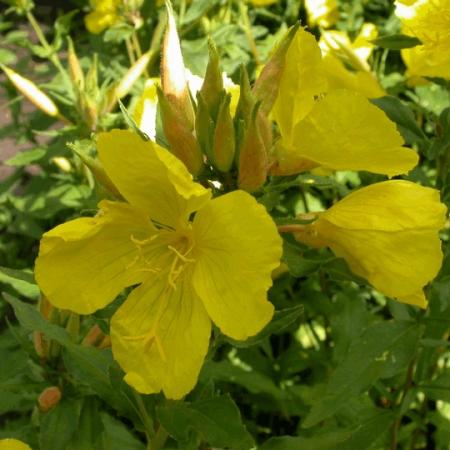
267 84
179 135
173 78
132 75
212 87
224 139
253 157
32 92
76 72
93 337
49 398
62 163
40 345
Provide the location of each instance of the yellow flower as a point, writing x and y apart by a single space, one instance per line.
337 47
191 269
13 444
104 15
429 21
337 129
388 234
324 13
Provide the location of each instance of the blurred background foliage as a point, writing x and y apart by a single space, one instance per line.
340 367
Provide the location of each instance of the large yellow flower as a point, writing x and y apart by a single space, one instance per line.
429 21
337 129
13 444
196 259
104 15
388 234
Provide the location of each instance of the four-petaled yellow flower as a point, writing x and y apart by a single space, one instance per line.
103 16
13 444
196 259
337 129
429 21
388 234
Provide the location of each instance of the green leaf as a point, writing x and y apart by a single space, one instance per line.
439 388
58 425
90 427
21 281
396 41
382 351
28 157
30 318
118 436
328 441
217 420
198 9
402 116
281 320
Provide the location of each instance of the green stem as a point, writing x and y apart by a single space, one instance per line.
243 10
159 440
147 421
53 57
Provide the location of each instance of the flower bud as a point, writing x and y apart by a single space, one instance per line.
93 337
76 73
49 398
133 74
32 92
180 136
266 86
253 157
224 138
173 78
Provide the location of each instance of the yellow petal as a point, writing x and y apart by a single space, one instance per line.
339 77
85 263
145 109
238 247
393 205
303 79
160 337
13 444
150 177
345 131
388 234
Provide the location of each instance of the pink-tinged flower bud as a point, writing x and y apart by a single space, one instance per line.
49 398
173 78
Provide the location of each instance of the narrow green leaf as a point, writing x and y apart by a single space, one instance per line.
396 41
21 281
328 441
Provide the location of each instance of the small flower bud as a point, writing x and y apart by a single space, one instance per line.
32 92
132 75
75 70
49 398
180 136
266 86
224 139
253 157
93 337
174 83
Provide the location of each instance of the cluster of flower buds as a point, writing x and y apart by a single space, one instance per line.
207 132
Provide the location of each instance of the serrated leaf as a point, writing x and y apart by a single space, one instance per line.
217 420
382 351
